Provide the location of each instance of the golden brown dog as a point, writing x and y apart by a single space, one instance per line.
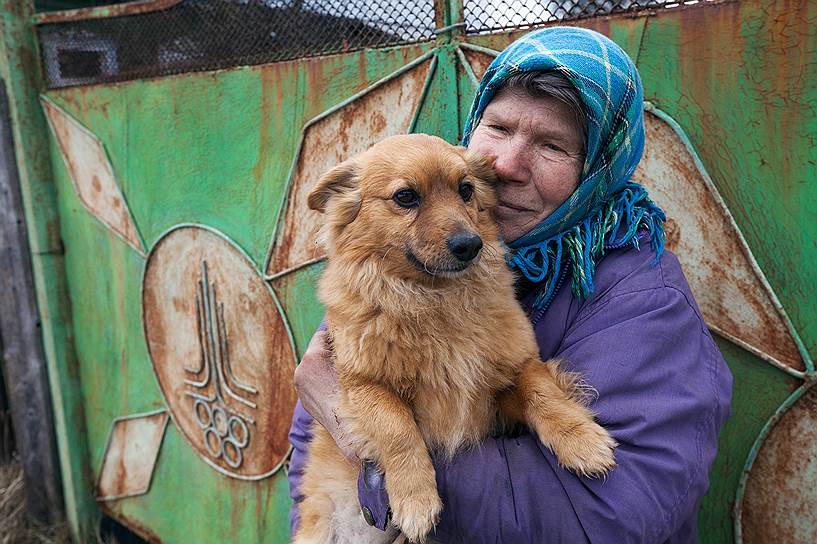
430 343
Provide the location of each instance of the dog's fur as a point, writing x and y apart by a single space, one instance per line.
427 355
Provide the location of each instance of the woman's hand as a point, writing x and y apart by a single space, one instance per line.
316 382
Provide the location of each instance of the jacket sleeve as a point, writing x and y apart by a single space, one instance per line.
299 437
663 392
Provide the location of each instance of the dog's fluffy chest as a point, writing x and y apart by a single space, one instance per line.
450 420
446 353
450 380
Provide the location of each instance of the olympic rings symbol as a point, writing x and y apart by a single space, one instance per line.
225 434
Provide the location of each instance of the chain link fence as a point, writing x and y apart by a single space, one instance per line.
200 35
483 16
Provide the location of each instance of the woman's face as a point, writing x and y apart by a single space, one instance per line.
538 145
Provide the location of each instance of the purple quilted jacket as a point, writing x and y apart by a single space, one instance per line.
664 391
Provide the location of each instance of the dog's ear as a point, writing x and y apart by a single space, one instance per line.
482 171
339 180
481 167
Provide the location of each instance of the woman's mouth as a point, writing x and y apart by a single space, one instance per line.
512 207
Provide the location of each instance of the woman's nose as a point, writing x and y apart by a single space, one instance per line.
510 162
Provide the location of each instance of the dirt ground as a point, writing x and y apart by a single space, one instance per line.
14 528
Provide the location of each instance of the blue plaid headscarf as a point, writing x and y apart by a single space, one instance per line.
606 209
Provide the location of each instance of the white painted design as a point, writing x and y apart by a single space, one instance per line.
131 454
92 174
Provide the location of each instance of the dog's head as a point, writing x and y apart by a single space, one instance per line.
418 206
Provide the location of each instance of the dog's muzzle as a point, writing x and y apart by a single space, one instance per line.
464 246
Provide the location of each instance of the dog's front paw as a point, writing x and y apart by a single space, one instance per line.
588 449
415 511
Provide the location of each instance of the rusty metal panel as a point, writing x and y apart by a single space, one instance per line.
385 109
92 174
779 494
227 169
130 456
221 351
732 292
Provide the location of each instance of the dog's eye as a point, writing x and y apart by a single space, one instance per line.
466 191
407 198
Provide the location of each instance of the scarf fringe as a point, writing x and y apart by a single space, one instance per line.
582 246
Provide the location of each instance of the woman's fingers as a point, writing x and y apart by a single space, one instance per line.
316 382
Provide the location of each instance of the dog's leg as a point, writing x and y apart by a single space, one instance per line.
330 513
326 471
390 436
544 397
315 523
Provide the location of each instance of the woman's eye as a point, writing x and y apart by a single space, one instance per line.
466 191
553 147
407 198
498 128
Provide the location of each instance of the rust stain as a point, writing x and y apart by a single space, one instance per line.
778 503
377 122
599 24
673 232
270 89
362 69
181 305
220 351
260 518
316 85
702 47
128 8
123 372
52 230
730 294
439 14
479 61
384 111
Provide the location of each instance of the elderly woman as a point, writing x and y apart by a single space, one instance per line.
562 110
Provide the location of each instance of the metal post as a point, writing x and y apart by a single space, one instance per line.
24 366
449 20
21 72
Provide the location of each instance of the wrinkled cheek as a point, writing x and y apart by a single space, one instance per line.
512 224
555 184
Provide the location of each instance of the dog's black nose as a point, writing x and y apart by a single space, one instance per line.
465 246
